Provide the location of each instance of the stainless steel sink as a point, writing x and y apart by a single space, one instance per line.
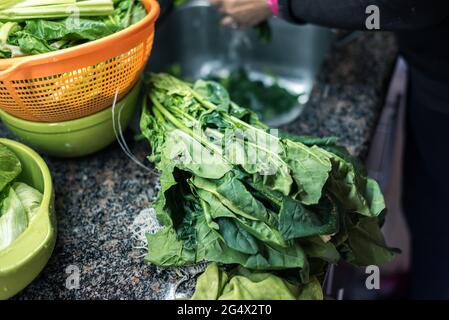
191 37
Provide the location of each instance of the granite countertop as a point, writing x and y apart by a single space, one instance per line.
103 198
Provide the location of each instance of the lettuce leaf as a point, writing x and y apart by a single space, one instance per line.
30 198
13 219
19 203
10 166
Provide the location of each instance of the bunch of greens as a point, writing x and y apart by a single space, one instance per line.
38 26
19 203
234 192
268 101
244 284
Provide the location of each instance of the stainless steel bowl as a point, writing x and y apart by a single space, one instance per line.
191 36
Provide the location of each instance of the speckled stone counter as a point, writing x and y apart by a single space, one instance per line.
101 198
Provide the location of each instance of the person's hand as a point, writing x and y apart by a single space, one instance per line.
242 13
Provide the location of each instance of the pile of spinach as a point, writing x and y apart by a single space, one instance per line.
34 35
234 192
267 101
19 202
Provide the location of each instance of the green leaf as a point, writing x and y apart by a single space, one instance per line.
266 287
167 203
174 190
275 258
214 119
82 29
259 154
168 84
30 198
315 247
263 232
164 249
243 284
258 229
211 187
10 166
13 219
236 237
213 92
233 194
30 44
239 197
215 208
211 247
311 291
188 154
353 191
367 244
210 284
6 30
246 115
299 221
310 168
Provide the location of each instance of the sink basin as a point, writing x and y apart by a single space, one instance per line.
191 37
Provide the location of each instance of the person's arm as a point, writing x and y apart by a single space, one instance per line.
395 15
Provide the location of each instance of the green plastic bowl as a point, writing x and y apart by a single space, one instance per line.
24 259
74 138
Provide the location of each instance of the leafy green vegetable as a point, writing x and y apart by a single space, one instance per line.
266 100
10 166
233 192
236 237
38 26
30 198
298 221
243 284
19 203
13 219
367 244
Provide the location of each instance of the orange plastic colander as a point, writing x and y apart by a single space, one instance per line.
79 81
